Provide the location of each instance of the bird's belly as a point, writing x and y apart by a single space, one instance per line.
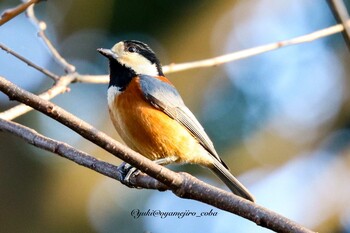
153 133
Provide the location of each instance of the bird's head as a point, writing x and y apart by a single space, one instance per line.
135 56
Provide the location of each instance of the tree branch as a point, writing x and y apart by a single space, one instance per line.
341 15
29 63
60 148
182 184
41 25
79 157
9 14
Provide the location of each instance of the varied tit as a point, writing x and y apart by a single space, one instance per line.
151 117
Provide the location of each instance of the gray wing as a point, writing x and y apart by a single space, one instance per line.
166 98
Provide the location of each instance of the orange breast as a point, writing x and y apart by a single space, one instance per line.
150 131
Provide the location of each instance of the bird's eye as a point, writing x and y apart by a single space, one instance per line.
132 49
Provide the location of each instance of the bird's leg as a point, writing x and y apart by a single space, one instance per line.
165 161
128 170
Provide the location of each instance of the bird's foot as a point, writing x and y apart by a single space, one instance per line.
128 171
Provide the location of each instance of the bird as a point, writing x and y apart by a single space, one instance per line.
151 117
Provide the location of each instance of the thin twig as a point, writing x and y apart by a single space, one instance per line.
29 63
182 184
41 25
341 15
9 14
215 61
98 79
61 86
256 50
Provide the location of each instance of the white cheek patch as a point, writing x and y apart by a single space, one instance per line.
139 64
112 93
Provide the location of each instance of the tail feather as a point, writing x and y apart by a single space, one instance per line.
232 183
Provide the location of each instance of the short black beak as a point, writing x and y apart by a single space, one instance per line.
107 53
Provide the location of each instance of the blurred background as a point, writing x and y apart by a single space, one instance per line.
280 120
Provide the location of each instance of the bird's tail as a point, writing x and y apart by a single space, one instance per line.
232 183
